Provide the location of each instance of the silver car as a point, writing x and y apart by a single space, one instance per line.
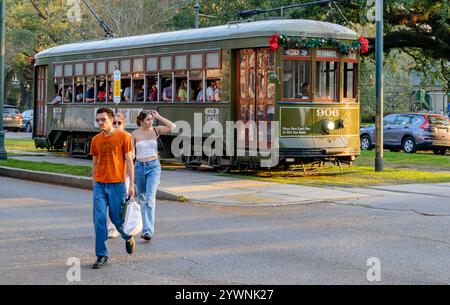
12 119
27 120
411 132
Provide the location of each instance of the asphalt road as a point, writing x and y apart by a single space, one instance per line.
43 226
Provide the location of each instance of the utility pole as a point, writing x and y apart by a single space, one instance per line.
197 14
379 161
3 155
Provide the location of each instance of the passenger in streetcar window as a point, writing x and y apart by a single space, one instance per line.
79 96
210 91
101 96
140 94
167 92
200 93
153 96
58 98
183 91
68 95
306 91
90 96
217 91
127 94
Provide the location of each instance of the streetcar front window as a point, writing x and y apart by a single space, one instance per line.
350 80
326 84
296 79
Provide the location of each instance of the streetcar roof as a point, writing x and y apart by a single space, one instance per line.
291 27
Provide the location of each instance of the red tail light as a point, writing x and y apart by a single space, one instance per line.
425 125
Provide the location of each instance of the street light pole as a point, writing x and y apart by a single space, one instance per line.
379 161
3 155
197 14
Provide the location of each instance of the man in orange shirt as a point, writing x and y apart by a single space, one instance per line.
112 154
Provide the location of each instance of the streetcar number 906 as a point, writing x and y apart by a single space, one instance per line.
327 112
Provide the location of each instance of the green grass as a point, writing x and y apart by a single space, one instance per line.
83 171
20 144
400 168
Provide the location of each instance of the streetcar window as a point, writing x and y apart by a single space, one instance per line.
152 88
125 66
138 65
212 60
113 65
79 69
101 68
196 85
138 85
326 84
152 64
296 79
79 89
180 62
68 70
68 96
90 68
350 78
167 91
165 63
126 89
91 90
58 71
196 61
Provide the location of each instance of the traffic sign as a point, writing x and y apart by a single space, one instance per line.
117 86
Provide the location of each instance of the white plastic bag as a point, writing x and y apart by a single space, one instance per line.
133 218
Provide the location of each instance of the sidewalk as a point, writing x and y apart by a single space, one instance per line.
207 187
199 186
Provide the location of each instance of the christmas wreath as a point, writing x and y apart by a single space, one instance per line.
361 44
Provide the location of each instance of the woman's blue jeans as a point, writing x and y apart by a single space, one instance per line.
147 176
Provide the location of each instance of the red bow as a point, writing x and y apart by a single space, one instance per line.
273 43
364 44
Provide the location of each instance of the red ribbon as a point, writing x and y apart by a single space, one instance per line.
364 44
273 43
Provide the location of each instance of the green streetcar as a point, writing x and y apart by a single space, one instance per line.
301 74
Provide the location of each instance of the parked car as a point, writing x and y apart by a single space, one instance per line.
12 119
411 132
27 120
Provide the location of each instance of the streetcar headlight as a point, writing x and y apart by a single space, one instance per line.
329 125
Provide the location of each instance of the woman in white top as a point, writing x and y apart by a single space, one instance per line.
147 166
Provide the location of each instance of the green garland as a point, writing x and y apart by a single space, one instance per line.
360 44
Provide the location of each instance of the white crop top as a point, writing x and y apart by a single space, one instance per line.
146 149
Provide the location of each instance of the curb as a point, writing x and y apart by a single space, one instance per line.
83 183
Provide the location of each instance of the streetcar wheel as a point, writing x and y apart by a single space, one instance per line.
440 152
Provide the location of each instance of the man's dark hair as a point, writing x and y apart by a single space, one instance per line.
106 110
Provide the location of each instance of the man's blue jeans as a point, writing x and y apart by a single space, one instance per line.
147 177
112 196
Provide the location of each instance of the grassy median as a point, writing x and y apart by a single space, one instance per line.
400 168
83 171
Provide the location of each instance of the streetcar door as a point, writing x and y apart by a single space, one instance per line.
40 103
256 95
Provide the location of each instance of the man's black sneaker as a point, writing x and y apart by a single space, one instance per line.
130 246
146 237
101 262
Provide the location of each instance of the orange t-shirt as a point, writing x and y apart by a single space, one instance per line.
110 152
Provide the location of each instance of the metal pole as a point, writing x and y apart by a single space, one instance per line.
197 14
3 155
379 161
